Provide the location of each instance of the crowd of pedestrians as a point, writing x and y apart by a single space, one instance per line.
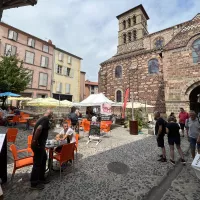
189 125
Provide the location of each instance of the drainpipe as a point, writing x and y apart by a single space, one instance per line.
52 72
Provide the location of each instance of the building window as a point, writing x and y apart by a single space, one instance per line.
29 57
92 89
118 72
159 43
124 38
10 50
42 95
60 56
69 72
153 66
31 42
129 22
134 20
58 69
118 96
43 79
59 87
12 35
69 60
129 37
124 24
45 48
44 61
67 88
196 51
31 77
134 35
144 32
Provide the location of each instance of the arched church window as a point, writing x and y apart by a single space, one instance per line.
159 43
124 24
118 72
134 20
153 66
129 37
196 51
129 22
124 38
118 96
134 35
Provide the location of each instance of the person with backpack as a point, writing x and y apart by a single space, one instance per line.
160 130
172 130
193 130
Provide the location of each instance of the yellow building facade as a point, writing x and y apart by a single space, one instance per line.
66 76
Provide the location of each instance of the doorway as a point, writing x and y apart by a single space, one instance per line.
195 99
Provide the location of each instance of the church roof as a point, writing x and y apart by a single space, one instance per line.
132 9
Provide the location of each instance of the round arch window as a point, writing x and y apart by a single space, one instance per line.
196 51
119 96
153 66
118 72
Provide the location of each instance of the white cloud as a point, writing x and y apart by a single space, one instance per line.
89 28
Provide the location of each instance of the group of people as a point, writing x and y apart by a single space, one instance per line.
40 135
187 122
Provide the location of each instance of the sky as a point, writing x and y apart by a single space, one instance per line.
89 28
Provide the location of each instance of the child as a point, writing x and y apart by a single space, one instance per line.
172 129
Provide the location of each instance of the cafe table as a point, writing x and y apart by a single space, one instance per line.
51 145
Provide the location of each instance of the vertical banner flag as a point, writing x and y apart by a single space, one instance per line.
125 101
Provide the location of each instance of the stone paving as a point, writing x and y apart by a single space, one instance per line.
90 177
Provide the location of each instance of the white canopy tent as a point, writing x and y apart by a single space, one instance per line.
94 100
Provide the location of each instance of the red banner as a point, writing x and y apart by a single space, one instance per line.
125 101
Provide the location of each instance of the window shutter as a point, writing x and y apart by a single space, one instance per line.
60 56
8 50
29 42
67 88
14 36
14 49
46 61
56 69
33 43
43 61
45 79
29 57
11 34
58 87
72 73
69 60
41 79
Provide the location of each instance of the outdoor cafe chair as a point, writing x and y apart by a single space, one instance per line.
12 134
22 119
86 126
76 145
14 120
66 154
19 162
28 149
105 127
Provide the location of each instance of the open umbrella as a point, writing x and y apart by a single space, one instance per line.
9 94
20 98
44 102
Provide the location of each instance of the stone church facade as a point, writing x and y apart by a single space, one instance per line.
162 68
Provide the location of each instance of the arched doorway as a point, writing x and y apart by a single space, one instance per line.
194 98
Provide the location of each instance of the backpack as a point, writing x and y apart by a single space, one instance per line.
73 117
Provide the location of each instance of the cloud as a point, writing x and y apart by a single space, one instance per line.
89 28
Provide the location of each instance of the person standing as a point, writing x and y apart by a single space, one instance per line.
172 130
40 135
182 117
160 129
193 130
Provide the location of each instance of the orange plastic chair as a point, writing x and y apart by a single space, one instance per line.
106 128
14 120
28 149
68 121
19 162
86 126
12 134
22 119
66 154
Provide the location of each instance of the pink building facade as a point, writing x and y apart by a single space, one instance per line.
36 54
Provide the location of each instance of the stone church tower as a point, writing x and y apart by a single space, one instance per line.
161 68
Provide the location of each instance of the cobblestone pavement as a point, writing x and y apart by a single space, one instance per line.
90 177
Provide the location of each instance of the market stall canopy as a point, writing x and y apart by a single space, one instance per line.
48 102
20 98
9 94
94 100
66 103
